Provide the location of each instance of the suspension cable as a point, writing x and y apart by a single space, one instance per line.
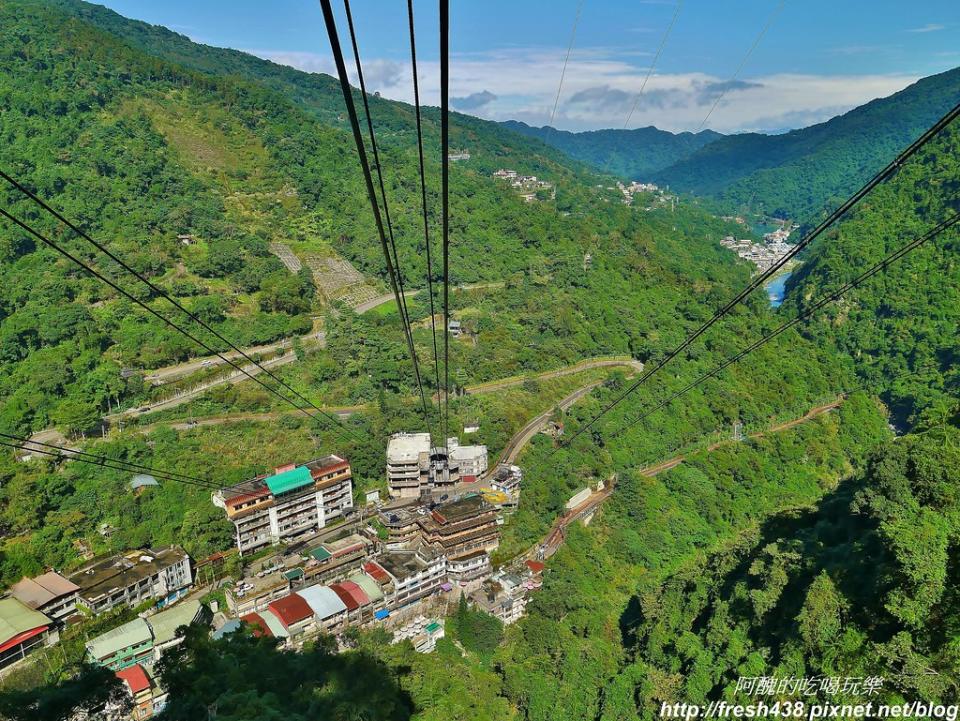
68 453
445 192
133 465
743 62
423 199
90 269
331 26
402 306
653 65
891 168
179 306
563 72
837 294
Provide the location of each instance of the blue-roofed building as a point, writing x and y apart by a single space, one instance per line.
328 608
292 501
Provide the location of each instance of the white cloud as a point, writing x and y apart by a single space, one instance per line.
601 85
928 28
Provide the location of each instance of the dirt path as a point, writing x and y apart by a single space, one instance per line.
388 297
559 373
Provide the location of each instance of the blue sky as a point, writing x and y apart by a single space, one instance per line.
818 58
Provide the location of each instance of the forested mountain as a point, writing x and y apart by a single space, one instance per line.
797 174
633 154
794 175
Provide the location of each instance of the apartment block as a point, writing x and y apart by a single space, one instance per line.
292 501
463 526
161 574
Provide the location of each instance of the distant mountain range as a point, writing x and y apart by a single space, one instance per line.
796 174
634 154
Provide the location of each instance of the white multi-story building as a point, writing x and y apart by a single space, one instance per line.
472 460
413 466
289 502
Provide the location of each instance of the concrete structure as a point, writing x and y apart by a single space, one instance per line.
472 460
469 566
291 501
149 699
408 575
22 631
408 462
422 632
50 594
402 524
577 498
123 646
462 526
507 479
143 640
161 574
414 467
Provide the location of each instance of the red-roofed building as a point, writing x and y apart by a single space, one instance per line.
348 600
376 572
257 623
141 690
293 612
536 566
357 593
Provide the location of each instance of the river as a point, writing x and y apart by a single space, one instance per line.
776 288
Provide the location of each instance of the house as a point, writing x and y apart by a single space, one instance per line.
461 526
144 640
123 646
411 574
22 631
455 328
161 574
149 699
469 566
291 501
50 594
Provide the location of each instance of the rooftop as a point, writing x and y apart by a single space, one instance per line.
290 609
282 480
18 622
135 677
134 633
39 591
323 601
407 447
289 480
461 509
106 575
259 626
166 623
463 453
402 564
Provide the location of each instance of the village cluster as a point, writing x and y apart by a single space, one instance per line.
764 255
528 185
313 563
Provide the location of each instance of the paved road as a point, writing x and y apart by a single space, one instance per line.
388 297
557 533
235 376
169 373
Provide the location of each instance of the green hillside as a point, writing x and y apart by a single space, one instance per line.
634 154
799 173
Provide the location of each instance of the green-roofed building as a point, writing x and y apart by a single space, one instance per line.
369 586
22 630
289 480
290 502
123 646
